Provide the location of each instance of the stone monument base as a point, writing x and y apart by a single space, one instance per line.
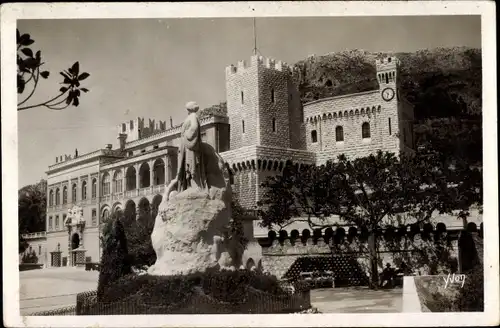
188 232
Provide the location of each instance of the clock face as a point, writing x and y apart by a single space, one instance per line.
388 94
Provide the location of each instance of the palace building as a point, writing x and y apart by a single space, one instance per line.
264 125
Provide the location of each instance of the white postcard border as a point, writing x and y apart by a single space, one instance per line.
12 12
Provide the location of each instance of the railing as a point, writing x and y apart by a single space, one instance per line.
131 193
159 188
33 235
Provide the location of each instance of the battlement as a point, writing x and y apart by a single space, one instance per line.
354 239
258 61
388 62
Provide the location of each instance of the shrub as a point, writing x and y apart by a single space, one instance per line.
114 262
30 257
223 286
471 297
140 247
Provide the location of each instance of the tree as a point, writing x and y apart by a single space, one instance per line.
29 64
32 206
115 255
368 192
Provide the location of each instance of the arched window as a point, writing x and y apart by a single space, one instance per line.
58 197
51 198
73 193
118 181
84 190
242 98
314 136
272 96
50 223
365 130
105 215
64 219
274 124
339 133
390 128
57 222
94 188
243 126
106 184
65 195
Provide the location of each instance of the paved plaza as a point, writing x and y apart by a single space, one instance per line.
52 288
46 289
357 300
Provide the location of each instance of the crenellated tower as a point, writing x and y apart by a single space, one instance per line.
263 104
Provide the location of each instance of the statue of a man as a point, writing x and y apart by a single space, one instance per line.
191 170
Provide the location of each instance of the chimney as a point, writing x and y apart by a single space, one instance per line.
76 153
171 122
122 138
109 146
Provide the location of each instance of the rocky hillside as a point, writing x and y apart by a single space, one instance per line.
442 82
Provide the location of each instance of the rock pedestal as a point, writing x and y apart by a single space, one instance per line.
186 232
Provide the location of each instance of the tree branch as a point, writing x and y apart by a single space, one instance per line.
42 104
34 86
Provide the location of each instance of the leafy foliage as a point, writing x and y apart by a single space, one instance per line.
174 292
114 261
441 82
29 64
371 192
32 206
30 257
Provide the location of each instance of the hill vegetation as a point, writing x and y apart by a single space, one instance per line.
442 82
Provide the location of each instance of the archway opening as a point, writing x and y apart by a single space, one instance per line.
129 212
144 172
75 241
130 177
158 172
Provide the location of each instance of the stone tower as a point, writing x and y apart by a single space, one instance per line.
392 120
266 123
263 104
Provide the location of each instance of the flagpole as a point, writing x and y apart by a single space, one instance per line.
254 38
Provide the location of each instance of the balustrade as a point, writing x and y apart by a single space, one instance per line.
33 235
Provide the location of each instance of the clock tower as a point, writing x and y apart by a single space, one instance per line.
391 118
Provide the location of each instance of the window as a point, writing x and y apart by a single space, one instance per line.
365 130
314 136
130 153
272 96
51 198
84 190
242 98
339 133
73 193
64 219
65 195
123 127
118 181
105 215
58 197
243 126
94 188
50 223
143 151
94 217
39 249
155 147
57 222
274 124
390 128
106 184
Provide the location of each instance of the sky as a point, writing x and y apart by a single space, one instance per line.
152 67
